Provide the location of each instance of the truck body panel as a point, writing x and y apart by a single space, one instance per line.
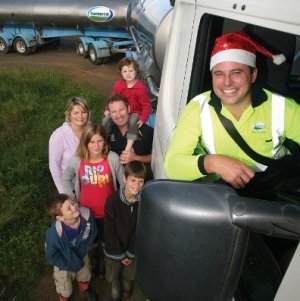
174 97
196 24
65 14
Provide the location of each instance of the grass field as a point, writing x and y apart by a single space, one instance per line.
32 105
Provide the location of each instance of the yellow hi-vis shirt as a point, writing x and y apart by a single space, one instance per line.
264 125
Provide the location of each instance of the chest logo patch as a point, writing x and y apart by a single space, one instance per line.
112 138
258 125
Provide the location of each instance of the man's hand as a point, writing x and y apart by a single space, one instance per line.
232 171
127 156
126 261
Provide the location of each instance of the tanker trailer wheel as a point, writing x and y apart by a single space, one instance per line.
94 57
4 48
21 47
80 50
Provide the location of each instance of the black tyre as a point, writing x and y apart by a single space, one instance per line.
93 54
4 48
94 57
21 47
80 50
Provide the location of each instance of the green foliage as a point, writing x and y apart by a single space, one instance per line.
32 105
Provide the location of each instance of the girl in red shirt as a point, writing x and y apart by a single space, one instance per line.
96 170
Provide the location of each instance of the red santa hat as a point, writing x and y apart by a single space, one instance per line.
240 48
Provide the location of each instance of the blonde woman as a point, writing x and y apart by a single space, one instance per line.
96 171
64 140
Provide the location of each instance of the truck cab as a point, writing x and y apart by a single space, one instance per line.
193 30
179 205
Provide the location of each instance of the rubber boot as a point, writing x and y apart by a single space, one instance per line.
83 286
61 298
115 290
126 287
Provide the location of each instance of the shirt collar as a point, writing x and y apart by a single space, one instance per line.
124 200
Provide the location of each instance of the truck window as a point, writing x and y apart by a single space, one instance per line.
283 79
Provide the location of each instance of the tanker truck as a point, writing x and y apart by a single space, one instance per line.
103 27
137 28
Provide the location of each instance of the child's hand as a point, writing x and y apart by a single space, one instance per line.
106 113
127 156
126 261
140 123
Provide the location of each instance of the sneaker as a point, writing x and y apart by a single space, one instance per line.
115 291
90 296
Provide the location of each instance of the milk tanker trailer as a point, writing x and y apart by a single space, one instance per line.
103 28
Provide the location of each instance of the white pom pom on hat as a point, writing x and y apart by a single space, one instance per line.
278 59
240 48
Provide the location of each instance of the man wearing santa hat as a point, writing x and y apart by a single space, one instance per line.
202 147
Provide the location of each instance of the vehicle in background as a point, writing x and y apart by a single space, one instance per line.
114 27
137 28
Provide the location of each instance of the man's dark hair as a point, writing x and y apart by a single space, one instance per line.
117 97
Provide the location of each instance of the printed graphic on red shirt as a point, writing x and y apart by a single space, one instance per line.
96 184
94 175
